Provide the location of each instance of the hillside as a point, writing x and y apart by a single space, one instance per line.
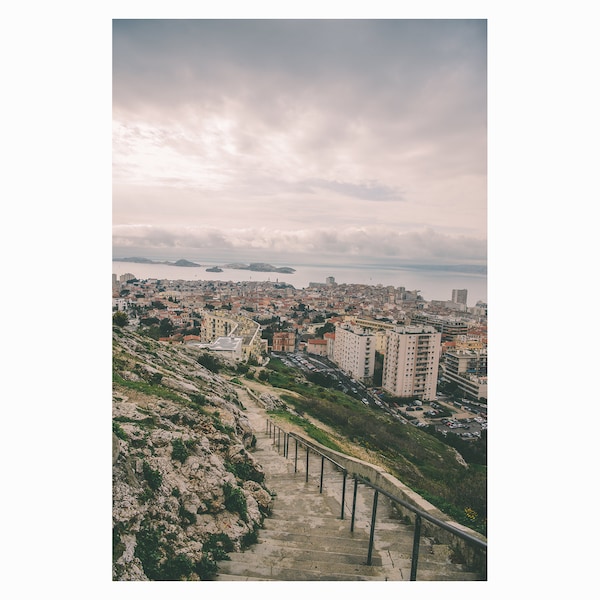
186 488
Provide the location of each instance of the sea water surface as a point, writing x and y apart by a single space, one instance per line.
432 284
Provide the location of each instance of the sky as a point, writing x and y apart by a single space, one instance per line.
351 140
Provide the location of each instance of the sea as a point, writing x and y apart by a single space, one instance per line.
432 283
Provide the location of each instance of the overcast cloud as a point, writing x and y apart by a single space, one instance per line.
340 138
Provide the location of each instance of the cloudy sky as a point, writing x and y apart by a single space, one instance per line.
351 140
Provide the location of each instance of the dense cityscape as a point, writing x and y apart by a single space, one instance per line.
389 341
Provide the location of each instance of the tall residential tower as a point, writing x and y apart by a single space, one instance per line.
411 362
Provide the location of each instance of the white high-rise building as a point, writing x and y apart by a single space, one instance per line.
354 352
411 362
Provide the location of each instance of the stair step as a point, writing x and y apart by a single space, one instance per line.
305 539
298 570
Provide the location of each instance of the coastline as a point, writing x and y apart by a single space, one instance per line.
433 284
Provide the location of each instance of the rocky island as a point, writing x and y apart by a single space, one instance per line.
262 267
182 262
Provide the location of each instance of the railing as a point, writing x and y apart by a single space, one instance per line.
276 433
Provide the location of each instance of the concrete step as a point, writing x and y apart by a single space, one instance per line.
304 539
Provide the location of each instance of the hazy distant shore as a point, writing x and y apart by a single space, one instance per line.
433 283
182 262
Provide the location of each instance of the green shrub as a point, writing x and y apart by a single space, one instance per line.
250 538
148 550
180 451
187 517
152 476
218 545
118 545
199 399
205 568
245 471
118 431
176 568
210 362
235 501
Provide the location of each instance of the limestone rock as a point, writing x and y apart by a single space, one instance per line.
179 439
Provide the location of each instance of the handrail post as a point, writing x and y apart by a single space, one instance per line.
372 534
354 504
307 449
278 438
322 466
343 494
415 551
296 457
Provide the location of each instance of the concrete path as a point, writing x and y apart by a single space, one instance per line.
305 538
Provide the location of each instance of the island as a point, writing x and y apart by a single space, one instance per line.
182 262
134 259
262 267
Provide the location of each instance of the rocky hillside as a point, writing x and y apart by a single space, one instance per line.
186 488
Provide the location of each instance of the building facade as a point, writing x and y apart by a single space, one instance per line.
354 352
459 296
411 362
284 341
317 346
468 369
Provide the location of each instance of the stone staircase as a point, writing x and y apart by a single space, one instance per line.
305 538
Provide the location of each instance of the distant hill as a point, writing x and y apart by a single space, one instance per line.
182 262
134 259
262 267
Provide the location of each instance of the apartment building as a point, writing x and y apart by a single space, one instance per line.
317 346
459 296
223 324
217 324
449 327
354 352
284 341
411 362
468 369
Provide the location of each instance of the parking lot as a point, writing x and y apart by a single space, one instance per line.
466 420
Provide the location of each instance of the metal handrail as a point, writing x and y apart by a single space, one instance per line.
309 447
419 513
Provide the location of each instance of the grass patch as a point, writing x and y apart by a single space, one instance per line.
152 389
314 432
424 462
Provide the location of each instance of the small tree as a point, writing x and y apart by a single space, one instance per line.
120 319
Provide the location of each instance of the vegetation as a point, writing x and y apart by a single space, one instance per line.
152 476
314 432
235 501
145 387
210 362
181 449
245 471
161 563
120 319
424 461
218 545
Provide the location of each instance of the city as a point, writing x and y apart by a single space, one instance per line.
423 362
